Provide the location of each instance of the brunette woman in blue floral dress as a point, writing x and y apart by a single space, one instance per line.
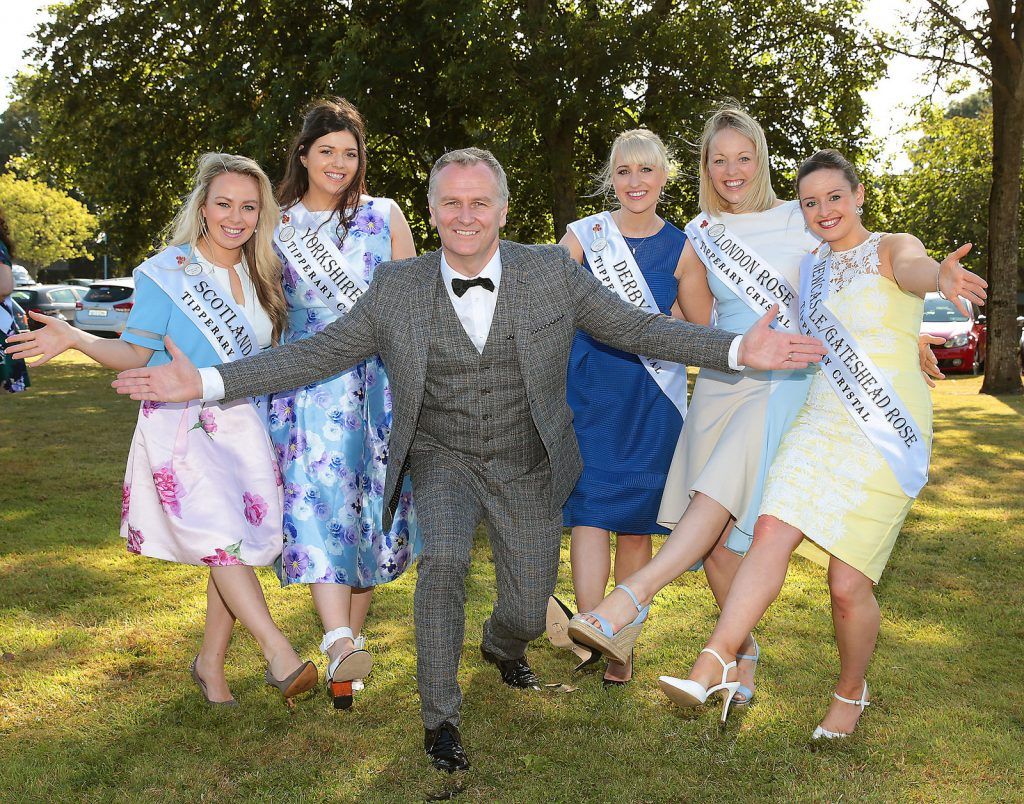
332 436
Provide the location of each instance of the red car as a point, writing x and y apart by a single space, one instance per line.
966 336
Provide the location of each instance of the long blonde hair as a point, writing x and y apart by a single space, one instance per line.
638 146
761 195
264 265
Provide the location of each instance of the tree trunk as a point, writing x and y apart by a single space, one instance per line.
1002 372
560 140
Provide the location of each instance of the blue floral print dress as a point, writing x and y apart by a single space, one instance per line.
332 439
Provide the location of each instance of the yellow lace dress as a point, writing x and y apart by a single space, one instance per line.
827 479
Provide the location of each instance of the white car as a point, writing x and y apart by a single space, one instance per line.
21 276
106 306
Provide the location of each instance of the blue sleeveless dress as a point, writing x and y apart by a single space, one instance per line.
332 445
626 427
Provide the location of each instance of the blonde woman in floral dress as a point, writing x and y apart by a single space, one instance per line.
202 485
839 488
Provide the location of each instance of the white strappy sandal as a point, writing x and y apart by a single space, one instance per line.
863 703
343 671
686 692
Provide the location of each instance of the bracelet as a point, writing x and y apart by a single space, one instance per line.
938 289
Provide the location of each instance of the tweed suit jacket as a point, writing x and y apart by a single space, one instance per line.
550 296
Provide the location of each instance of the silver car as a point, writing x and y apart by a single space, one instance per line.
106 306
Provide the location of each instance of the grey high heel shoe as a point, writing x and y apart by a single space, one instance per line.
301 680
202 687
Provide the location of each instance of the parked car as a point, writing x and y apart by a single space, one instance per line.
56 300
966 336
106 306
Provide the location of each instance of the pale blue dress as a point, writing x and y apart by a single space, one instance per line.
332 445
735 422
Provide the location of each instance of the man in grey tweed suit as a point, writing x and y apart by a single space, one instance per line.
475 338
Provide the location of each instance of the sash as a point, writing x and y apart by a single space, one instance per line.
613 263
336 277
6 318
741 269
863 389
212 310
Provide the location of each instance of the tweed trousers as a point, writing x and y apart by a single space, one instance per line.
453 495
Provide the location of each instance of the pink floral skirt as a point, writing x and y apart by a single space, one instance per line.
202 486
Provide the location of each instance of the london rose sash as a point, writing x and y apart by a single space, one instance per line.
336 277
613 263
741 269
203 301
863 389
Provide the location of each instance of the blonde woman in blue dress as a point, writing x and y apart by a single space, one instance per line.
735 422
848 470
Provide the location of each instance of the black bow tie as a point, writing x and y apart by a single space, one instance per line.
460 286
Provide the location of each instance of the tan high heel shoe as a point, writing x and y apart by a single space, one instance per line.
301 680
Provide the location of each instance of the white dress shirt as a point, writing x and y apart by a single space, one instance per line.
475 308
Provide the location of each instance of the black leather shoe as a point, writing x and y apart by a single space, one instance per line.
444 747
514 672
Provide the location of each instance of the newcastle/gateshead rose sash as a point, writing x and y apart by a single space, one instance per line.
863 389
613 263
336 277
741 269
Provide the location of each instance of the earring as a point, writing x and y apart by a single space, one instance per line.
860 210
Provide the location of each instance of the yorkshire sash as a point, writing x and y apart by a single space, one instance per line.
336 277
6 318
863 389
746 273
613 263
203 301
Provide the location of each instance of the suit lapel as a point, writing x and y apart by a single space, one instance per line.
515 272
420 310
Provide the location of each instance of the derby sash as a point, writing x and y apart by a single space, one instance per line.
865 392
613 263
746 273
336 277
204 302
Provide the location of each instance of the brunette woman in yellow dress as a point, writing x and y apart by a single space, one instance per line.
830 494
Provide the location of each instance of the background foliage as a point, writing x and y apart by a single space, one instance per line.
125 94
47 225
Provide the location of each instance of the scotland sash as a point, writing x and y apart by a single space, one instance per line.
741 269
863 389
203 301
613 263
335 276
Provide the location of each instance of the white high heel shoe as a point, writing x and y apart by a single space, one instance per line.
825 734
688 693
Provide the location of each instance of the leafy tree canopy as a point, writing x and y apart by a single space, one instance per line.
46 224
128 92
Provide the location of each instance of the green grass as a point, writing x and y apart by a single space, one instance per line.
96 703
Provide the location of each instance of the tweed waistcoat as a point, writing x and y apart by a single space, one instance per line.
476 404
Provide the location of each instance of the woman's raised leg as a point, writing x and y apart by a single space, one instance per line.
698 530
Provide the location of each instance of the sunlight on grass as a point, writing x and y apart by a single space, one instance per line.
96 702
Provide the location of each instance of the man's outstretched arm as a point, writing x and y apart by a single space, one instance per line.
339 346
602 314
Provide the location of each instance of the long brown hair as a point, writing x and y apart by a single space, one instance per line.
322 117
264 266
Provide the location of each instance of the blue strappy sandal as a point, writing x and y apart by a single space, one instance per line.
743 689
616 646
